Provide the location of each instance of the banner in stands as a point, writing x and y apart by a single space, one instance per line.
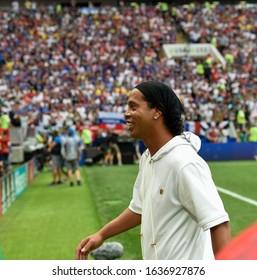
118 128
193 127
20 179
111 117
89 10
193 50
201 128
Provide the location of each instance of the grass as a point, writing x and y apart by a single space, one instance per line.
47 223
239 177
112 190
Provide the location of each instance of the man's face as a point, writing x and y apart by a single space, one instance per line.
139 117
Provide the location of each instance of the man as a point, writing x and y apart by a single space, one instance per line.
112 152
72 153
253 135
174 198
86 136
5 121
43 155
112 149
54 147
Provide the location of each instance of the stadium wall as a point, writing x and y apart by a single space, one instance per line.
14 183
228 151
209 151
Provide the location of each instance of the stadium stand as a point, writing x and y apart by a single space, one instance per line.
64 64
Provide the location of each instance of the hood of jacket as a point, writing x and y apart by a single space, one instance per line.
186 138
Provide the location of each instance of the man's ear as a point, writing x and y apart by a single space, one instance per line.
157 113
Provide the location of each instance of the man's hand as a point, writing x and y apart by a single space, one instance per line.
87 245
125 221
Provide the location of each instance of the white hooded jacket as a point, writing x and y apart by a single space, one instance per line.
178 200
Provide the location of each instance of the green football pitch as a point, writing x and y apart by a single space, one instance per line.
47 223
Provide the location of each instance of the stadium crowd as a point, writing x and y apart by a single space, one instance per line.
62 65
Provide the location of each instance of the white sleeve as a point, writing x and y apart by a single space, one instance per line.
136 202
199 195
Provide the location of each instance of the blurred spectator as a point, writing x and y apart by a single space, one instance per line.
137 151
113 152
54 147
243 135
5 144
72 153
101 143
43 156
86 137
5 121
253 133
241 119
15 115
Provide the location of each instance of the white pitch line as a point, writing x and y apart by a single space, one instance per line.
238 196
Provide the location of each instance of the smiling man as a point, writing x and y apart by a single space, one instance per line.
174 198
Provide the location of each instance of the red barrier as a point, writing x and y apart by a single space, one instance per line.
242 247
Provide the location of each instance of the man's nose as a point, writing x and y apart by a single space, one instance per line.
126 114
